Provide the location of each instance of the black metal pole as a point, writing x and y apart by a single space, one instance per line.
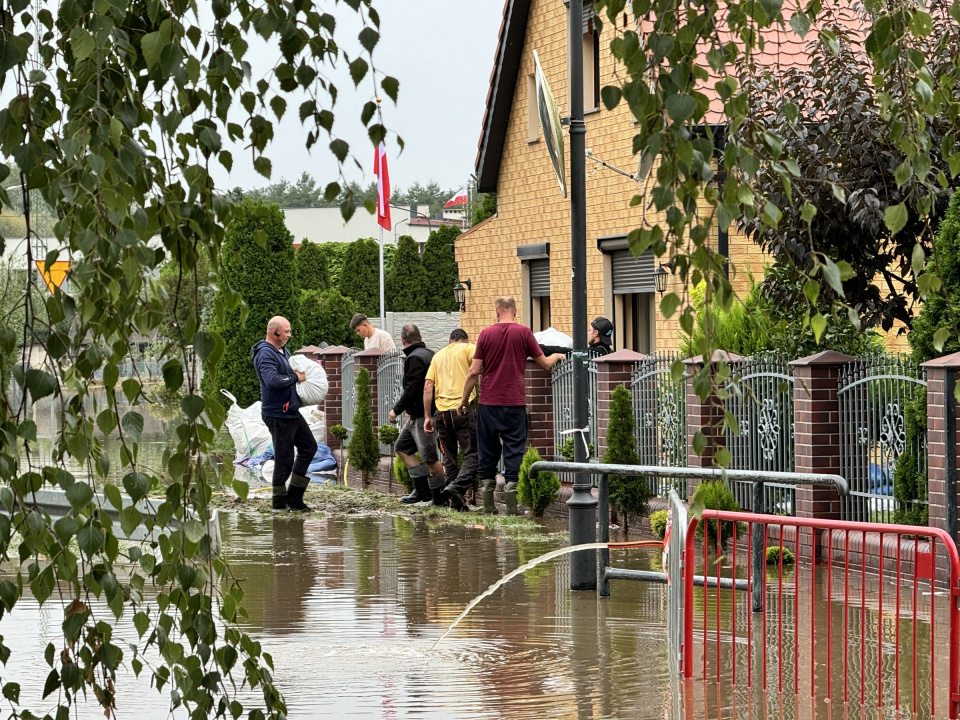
758 559
950 450
582 504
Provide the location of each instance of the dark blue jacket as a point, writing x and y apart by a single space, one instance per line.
278 381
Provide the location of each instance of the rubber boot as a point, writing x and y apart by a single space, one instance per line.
298 486
436 491
455 499
510 497
279 497
421 489
489 506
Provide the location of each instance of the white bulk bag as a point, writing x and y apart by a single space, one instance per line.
317 422
313 390
249 432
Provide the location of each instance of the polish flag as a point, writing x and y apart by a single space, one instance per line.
459 199
383 186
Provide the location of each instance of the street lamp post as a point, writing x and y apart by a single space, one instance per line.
582 504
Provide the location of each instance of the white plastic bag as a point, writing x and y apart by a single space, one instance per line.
249 432
313 390
554 338
317 421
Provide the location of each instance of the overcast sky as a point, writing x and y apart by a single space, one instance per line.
442 53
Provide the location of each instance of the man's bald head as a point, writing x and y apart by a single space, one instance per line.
506 307
278 331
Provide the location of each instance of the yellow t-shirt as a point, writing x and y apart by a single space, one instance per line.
448 371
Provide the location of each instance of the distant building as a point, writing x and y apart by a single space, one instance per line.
321 225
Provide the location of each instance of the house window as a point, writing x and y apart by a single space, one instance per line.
533 116
591 70
629 295
539 294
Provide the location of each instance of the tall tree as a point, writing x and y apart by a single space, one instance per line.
304 193
406 284
326 317
312 272
440 265
265 277
360 275
486 206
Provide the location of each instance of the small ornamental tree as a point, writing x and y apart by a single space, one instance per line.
440 265
388 435
312 271
325 315
265 277
628 494
364 449
360 276
536 492
406 284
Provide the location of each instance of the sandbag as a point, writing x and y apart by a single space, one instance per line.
316 419
313 390
246 427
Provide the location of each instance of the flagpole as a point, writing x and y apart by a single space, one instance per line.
383 307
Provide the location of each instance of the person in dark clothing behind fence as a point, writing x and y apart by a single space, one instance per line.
280 409
501 356
427 472
600 337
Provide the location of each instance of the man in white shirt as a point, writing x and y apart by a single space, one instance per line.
372 337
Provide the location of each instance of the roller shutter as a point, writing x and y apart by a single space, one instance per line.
539 278
630 274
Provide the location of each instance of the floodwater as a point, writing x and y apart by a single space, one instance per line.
351 607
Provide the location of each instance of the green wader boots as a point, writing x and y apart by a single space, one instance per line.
489 507
510 497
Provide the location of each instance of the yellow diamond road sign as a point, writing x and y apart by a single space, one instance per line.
55 275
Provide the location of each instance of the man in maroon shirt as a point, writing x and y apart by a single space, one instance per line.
501 356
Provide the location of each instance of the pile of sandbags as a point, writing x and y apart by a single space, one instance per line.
250 434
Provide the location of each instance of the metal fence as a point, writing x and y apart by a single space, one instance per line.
389 388
873 396
564 426
659 409
674 544
348 388
761 400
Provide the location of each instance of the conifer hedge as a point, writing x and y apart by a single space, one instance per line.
326 318
441 270
406 285
360 275
312 271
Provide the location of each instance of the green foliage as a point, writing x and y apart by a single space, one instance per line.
658 523
364 448
441 269
120 116
401 473
714 495
773 556
486 207
940 309
312 273
764 323
184 293
340 432
406 284
628 494
388 434
265 277
325 315
304 193
909 478
536 492
566 449
360 276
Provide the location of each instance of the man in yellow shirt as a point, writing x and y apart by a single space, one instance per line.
442 390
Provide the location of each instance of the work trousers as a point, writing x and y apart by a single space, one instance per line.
289 434
501 429
458 433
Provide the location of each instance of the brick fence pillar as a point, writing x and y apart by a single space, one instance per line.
331 358
612 370
938 444
705 415
368 359
539 385
816 436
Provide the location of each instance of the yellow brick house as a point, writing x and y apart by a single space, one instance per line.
524 250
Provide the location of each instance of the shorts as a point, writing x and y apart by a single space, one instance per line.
413 439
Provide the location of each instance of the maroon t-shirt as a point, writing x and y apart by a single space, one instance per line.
504 349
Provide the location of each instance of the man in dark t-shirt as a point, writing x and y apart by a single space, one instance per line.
501 356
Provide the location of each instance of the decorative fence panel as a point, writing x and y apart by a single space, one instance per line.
761 400
348 388
389 388
873 396
659 408
563 424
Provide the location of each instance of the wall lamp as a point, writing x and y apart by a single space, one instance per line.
460 293
660 275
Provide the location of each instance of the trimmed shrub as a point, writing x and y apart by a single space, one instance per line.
714 495
360 276
658 523
364 448
628 494
312 273
406 284
441 269
566 451
536 493
326 317
773 556
401 473
266 278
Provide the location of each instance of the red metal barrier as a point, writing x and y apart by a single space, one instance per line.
921 546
